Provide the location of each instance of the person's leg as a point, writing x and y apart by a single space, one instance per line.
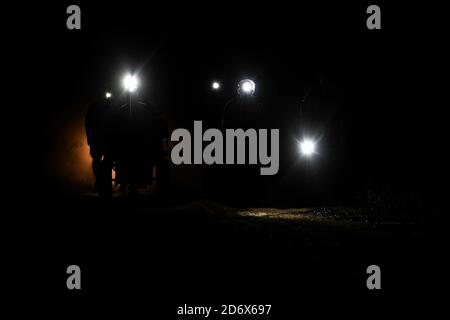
105 178
96 163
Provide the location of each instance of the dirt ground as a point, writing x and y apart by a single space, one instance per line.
157 256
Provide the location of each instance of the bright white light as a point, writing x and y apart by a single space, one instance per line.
307 147
215 85
108 95
246 87
130 82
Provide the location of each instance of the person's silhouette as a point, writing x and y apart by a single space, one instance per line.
94 125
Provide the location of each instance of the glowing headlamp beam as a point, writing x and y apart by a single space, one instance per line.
246 87
215 85
130 82
307 147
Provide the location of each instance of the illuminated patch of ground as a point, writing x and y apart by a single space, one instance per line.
301 213
312 214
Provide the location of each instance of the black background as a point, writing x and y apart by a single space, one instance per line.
379 111
376 108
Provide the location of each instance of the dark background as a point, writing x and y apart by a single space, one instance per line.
376 100
373 100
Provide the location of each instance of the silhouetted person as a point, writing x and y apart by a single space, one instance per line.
242 182
135 139
94 125
243 112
